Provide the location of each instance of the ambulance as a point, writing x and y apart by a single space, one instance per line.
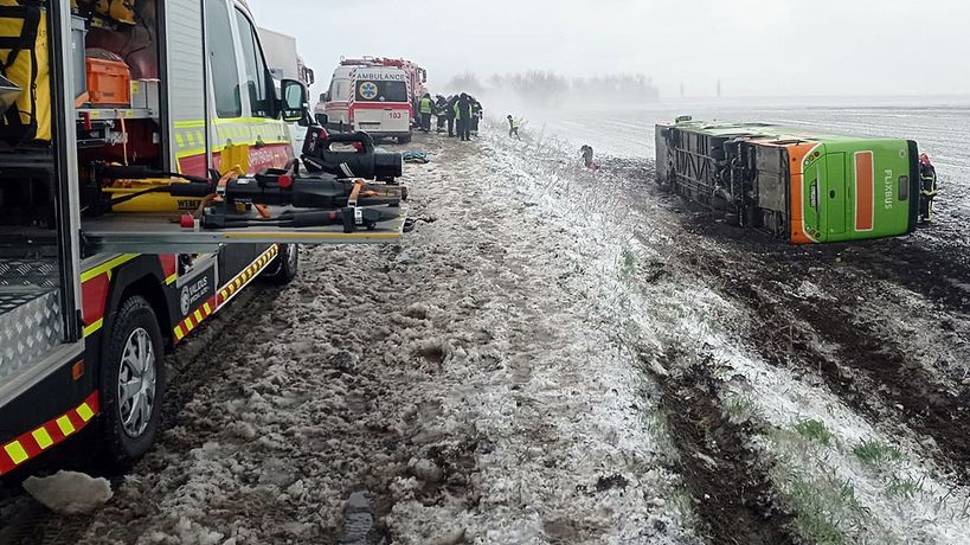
365 95
112 112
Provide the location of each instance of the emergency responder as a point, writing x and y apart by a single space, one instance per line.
463 112
587 153
928 188
440 111
426 108
513 127
450 112
476 115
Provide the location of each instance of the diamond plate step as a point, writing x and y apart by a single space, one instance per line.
30 326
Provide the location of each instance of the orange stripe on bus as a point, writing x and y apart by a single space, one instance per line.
864 191
797 154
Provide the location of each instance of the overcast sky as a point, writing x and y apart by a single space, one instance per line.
756 47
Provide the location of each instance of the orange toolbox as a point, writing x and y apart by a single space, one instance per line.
109 82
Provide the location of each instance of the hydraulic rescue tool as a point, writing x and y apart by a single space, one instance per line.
239 201
361 160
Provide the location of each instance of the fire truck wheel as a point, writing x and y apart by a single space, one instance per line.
283 269
132 382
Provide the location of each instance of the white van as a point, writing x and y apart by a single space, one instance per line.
377 100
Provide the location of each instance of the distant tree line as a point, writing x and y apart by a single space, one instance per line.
545 87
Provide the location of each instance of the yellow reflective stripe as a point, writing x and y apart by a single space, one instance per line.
91 329
64 423
182 154
208 309
106 267
43 438
172 279
85 412
198 316
187 124
16 452
179 334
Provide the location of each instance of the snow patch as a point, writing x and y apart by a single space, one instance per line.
69 492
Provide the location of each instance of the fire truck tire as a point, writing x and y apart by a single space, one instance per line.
285 267
132 383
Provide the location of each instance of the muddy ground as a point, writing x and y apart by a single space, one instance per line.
563 356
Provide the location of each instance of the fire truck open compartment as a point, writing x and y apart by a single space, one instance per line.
93 117
39 322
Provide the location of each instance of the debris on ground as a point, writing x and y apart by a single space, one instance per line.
69 492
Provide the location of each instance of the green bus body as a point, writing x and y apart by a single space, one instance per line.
805 187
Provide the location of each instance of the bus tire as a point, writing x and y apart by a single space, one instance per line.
285 266
132 382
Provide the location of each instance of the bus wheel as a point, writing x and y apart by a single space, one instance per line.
284 268
132 382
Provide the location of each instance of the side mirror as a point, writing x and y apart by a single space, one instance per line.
322 119
294 101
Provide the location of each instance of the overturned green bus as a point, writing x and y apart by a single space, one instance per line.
803 187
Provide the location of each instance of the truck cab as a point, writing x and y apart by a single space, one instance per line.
101 275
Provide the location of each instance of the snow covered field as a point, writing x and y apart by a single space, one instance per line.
560 356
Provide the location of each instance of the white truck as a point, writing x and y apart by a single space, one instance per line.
284 62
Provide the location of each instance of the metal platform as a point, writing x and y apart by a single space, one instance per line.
31 324
159 233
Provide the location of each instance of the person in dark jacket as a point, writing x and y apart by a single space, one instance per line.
450 112
463 112
587 154
928 189
476 114
440 110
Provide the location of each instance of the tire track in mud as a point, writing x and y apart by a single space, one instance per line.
870 371
733 495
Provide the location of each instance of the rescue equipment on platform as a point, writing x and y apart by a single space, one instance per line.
24 62
361 160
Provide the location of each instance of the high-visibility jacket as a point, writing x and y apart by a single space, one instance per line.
463 115
427 106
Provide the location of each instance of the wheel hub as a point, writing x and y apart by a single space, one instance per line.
136 383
